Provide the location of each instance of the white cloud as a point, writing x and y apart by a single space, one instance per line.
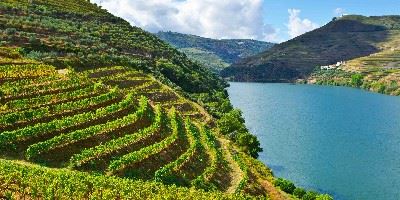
208 18
339 12
297 26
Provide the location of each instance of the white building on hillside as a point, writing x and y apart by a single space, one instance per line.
334 66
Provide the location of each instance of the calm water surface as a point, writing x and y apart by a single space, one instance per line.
338 140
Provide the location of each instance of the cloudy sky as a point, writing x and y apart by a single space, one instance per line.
268 20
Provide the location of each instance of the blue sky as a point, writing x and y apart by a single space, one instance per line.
321 12
268 20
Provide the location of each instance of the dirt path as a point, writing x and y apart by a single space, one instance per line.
273 192
235 173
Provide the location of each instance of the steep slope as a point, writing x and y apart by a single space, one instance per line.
344 38
80 34
214 54
114 121
377 72
81 89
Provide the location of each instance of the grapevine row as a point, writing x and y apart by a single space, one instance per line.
21 71
133 157
90 154
23 104
165 172
20 181
9 137
62 140
55 85
245 179
203 181
32 114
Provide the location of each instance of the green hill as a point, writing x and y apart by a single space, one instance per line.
93 108
341 39
214 54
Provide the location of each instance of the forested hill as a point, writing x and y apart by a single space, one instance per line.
212 53
85 36
343 38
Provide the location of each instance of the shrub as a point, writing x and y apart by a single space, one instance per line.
299 192
249 143
11 31
285 185
357 80
230 122
310 195
324 197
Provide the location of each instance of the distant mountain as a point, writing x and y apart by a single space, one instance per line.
212 53
343 38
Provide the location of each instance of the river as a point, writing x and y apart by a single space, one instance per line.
336 140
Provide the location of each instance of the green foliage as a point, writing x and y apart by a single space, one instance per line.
310 195
379 87
35 150
299 192
31 181
131 158
81 35
244 181
324 197
285 185
165 174
232 124
115 145
203 181
9 137
228 51
357 80
10 31
217 103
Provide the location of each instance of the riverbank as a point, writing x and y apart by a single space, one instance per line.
380 81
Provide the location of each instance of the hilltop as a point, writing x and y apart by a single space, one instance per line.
342 39
212 53
93 108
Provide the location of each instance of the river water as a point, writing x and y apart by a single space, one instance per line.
337 140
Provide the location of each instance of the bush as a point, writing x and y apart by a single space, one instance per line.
11 31
310 195
357 80
324 197
249 143
231 122
299 192
285 185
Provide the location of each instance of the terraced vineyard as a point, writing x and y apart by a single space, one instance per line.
114 121
380 72
93 108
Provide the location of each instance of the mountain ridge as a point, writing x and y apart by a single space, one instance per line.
341 39
215 54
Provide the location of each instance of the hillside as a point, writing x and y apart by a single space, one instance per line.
378 72
93 108
214 54
344 38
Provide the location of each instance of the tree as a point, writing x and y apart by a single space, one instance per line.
310 195
285 185
299 192
356 80
231 122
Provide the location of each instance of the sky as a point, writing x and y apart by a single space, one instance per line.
266 20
